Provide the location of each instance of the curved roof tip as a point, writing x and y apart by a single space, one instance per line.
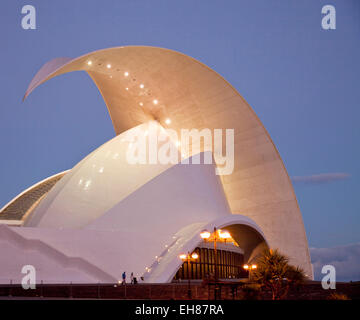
55 66
45 72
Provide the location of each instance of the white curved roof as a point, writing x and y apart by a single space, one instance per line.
194 96
144 232
95 185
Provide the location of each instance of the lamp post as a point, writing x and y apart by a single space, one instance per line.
217 235
189 257
250 267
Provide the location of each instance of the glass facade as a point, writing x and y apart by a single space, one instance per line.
229 265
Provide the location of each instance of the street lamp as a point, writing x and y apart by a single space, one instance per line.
189 257
224 235
205 234
249 267
217 234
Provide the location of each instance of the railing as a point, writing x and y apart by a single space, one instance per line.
173 291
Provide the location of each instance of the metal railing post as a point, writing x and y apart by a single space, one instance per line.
10 287
41 290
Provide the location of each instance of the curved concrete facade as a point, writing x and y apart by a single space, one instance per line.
96 184
141 84
143 231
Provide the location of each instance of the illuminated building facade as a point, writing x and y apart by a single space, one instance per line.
106 215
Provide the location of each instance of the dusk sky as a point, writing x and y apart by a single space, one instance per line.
302 82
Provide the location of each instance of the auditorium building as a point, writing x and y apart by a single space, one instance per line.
107 215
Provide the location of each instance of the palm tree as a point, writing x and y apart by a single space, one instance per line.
274 273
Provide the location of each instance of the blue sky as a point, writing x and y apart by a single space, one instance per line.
301 80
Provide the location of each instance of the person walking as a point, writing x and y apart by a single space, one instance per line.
132 278
124 278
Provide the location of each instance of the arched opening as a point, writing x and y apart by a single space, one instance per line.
245 246
229 265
